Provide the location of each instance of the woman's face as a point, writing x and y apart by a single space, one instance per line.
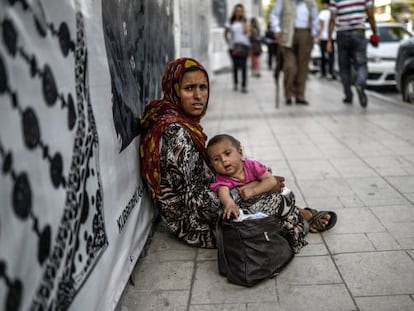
239 12
194 93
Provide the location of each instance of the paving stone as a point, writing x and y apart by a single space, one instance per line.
165 247
301 152
390 166
351 201
169 275
313 250
377 273
315 297
356 220
348 243
211 288
352 167
310 271
402 183
375 192
409 196
336 151
405 242
320 188
220 307
266 153
313 169
207 254
385 303
156 300
366 148
383 241
394 214
411 253
325 203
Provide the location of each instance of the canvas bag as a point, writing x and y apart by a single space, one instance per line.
251 250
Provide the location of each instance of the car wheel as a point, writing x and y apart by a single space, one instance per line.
408 89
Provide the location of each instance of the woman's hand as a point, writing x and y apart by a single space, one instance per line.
280 184
329 48
230 210
247 192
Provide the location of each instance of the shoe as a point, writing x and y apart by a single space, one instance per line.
362 96
302 102
317 216
333 77
347 101
288 102
235 88
244 90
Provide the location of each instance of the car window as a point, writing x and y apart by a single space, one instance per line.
390 34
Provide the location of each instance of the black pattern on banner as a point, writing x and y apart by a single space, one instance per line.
67 251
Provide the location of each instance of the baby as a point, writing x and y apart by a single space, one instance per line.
252 177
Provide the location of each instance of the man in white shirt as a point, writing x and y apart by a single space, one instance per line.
295 24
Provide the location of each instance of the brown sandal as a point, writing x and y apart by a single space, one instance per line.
315 221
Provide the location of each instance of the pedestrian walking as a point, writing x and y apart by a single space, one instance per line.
296 25
271 44
349 18
236 34
326 57
256 47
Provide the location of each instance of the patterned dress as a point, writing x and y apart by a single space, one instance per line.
190 209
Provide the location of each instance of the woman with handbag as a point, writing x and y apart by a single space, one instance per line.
236 35
174 162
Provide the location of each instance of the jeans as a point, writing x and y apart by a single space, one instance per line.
331 57
239 63
352 54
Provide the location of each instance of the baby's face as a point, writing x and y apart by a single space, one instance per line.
225 158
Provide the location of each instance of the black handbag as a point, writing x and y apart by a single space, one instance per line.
251 250
240 50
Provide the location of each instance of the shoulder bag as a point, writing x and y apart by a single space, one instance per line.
251 250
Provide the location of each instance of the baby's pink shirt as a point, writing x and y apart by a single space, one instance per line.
253 170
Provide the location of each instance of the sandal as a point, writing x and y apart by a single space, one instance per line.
316 219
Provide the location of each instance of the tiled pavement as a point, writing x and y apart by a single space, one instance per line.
357 162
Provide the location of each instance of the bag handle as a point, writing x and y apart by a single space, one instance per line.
220 243
222 254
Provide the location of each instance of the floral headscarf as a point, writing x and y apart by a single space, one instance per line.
160 113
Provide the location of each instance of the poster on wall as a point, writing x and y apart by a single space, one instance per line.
74 77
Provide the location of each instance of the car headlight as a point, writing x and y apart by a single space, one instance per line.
374 59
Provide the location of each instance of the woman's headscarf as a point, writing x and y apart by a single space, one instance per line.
160 113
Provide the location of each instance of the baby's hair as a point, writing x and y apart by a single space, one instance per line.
222 137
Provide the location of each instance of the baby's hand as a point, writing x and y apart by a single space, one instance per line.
231 210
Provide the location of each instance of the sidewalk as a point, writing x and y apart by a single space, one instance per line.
357 162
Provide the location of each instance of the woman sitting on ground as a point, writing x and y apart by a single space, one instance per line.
175 166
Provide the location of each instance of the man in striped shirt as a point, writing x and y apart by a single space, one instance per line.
349 17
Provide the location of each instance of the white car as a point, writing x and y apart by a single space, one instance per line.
381 59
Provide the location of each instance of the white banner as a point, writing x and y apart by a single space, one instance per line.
74 78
